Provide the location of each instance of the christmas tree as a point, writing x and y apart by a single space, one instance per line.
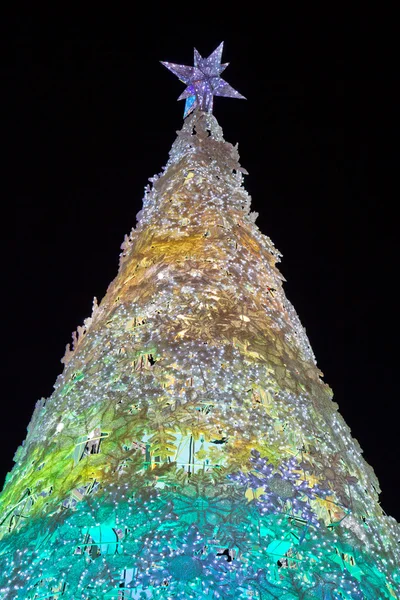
190 448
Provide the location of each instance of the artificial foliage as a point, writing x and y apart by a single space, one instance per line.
190 448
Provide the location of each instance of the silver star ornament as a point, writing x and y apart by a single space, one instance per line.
203 81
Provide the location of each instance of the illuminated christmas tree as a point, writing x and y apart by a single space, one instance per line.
190 448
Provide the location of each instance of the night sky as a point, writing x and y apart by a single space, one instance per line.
93 115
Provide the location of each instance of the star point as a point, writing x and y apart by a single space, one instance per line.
203 81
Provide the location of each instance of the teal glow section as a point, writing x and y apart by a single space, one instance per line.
114 546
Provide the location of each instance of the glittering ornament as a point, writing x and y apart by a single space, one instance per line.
281 487
203 81
185 567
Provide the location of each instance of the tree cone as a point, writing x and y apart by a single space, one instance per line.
190 448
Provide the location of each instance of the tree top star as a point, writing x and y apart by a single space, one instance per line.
203 81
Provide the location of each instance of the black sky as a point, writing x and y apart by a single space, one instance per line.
92 116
